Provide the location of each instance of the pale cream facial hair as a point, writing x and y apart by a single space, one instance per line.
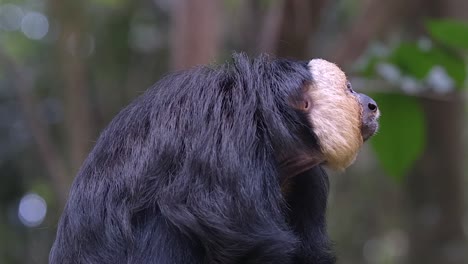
338 128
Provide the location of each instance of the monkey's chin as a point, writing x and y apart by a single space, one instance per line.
369 129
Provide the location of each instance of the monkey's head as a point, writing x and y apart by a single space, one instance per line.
341 119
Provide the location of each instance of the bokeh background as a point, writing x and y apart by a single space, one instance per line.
68 66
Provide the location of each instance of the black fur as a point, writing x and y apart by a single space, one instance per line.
188 174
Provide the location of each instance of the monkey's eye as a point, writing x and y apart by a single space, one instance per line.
350 88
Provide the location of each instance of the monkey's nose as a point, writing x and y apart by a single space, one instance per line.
369 102
372 105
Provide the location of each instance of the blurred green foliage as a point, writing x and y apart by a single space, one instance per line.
402 135
125 47
416 62
449 32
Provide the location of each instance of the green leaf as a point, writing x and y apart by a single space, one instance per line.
453 64
417 63
450 32
402 134
412 60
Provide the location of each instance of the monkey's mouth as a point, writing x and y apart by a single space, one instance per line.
369 127
369 116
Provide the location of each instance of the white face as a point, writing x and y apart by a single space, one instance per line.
335 114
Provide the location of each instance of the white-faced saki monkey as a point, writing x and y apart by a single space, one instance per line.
218 165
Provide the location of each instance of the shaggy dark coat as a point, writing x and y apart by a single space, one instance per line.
188 174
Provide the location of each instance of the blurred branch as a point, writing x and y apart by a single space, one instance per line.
196 32
54 164
365 85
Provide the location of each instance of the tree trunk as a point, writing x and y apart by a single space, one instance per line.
289 27
196 32
435 187
79 127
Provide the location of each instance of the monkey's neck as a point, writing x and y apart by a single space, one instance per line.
294 165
